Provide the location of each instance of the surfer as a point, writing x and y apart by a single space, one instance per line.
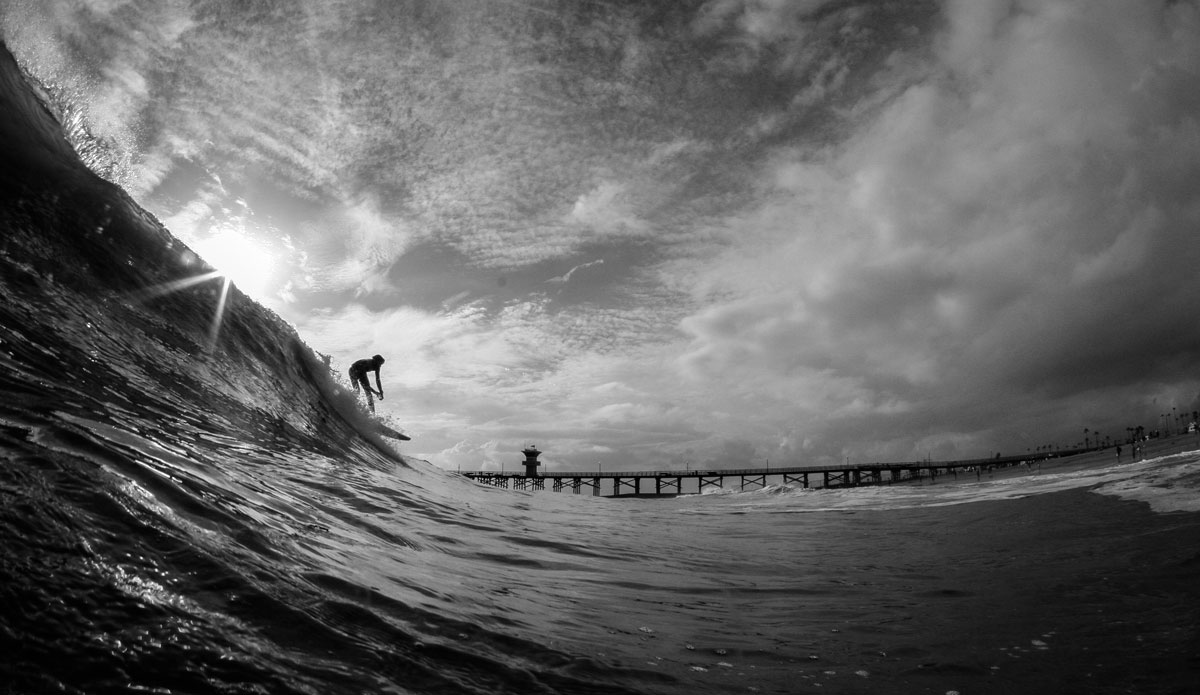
358 375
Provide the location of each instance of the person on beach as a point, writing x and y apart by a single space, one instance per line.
358 376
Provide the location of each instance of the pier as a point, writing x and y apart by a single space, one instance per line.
670 483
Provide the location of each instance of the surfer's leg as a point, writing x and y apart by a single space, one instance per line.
362 378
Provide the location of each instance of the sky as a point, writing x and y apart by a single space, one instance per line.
701 233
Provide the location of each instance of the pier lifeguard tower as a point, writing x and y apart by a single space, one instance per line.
531 463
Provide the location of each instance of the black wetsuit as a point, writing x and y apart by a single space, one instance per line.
358 377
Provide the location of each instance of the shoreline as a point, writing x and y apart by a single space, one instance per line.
1152 448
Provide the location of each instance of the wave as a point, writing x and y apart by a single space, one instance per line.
191 503
1166 483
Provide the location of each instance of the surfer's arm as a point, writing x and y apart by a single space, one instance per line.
378 386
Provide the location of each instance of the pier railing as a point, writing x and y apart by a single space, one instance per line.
670 482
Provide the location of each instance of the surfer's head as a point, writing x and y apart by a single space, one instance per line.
377 359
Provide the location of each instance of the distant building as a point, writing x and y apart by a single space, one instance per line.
531 463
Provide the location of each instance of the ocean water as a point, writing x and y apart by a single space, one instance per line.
193 506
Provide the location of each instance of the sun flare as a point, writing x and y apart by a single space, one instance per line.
244 261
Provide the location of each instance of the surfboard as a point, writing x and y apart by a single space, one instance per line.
389 432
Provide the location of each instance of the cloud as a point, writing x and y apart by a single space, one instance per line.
829 229
468 456
763 20
1006 227
566 277
351 246
606 211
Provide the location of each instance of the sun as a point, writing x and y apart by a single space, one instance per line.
244 261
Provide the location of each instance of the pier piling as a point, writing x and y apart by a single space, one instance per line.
668 483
